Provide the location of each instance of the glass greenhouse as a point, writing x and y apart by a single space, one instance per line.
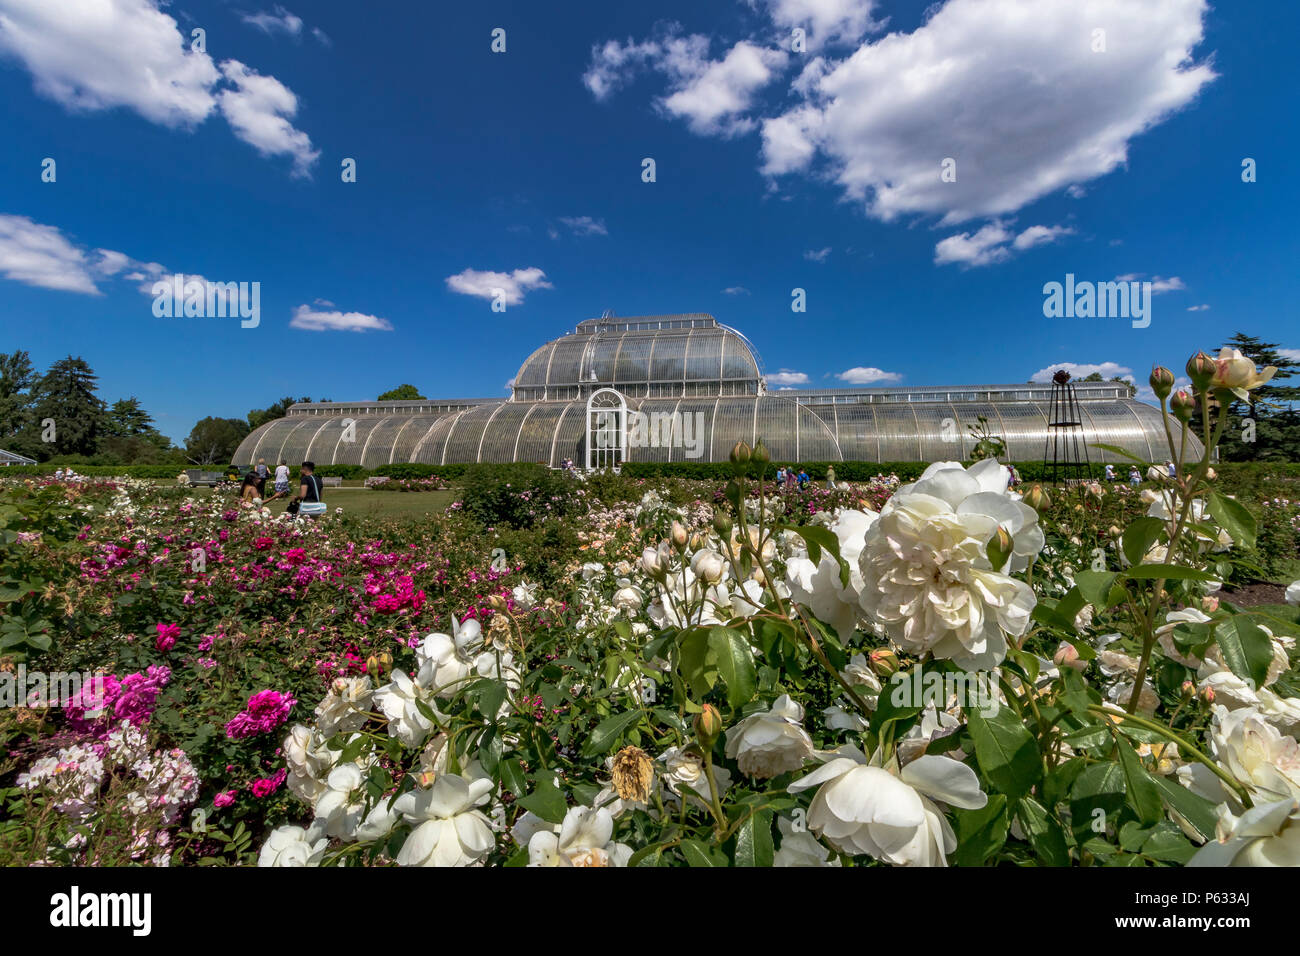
686 388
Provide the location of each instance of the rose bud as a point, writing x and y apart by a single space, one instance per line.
1162 381
722 523
1208 695
1037 498
761 455
1201 370
883 661
1209 604
1183 405
1188 690
740 453
707 725
679 535
1067 655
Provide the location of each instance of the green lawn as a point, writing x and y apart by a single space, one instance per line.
387 504
1281 619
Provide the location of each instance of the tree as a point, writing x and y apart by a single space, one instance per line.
17 376
403 393
260 416
65 397
1270 429
213 441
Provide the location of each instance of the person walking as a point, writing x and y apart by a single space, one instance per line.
780 476
830 477
262 474
1110 472
308 501
803 477
281 480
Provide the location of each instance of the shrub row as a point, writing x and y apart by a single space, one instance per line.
1246 477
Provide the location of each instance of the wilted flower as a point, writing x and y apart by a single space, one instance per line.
633 772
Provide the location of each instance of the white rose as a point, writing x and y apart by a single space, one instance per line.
770 743
929 584
800 848
1265 835
339 808
684 769
892 817
584 839
343 711
399 701
1293 593
293 846
448 831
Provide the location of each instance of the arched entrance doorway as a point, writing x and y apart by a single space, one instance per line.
606 429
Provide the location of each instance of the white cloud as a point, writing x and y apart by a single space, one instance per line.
786 377
986 246
585 225
1040 236
1198 308
712 96
1018 99
1159 284
735 290
817 255
312 320
824 21
1292 354
281 21
993 243
322 37
259 109
866 376
511 286
41 256
90 55
1081 370
93 55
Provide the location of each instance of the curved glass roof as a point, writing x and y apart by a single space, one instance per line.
695 387
655 356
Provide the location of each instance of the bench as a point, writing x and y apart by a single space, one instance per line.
332 482
198 477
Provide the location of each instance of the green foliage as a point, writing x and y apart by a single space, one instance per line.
517 496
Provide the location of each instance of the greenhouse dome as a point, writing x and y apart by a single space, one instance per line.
687 388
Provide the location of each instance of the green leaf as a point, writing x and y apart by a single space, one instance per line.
1141 789
697 854
1235 518
608 731
512 777
1246 649
819 538
546 800
754 841
980 833
1006 751
698 669
1196 811
1095 587
735 664
1168 844
1096 799
1044 832
1139 536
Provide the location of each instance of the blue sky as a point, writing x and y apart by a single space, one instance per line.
776 169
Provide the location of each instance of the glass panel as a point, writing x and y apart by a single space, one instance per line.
634 359
669 357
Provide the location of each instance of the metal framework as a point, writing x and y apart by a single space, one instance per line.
690 369
1065 453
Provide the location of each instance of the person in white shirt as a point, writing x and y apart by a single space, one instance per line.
281 480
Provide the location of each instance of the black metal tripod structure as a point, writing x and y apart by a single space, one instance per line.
1065 454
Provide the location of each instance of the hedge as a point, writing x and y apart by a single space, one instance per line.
1247 476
